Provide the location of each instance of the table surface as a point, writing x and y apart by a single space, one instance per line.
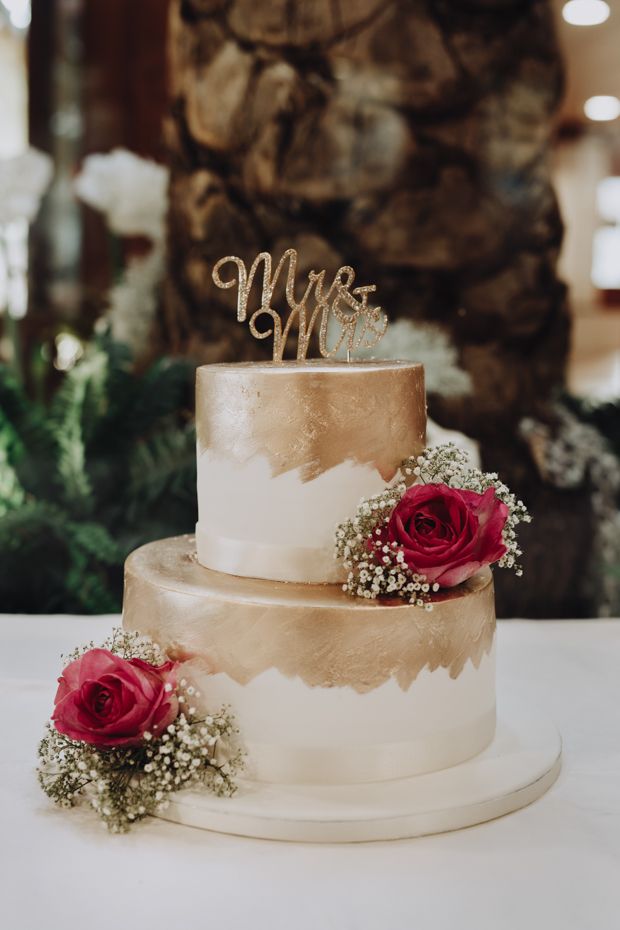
555 864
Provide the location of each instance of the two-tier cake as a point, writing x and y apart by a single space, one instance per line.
360 682
325 688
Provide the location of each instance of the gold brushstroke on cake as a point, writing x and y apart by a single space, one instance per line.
244 627
314 415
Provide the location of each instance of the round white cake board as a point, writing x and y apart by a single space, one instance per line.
521 763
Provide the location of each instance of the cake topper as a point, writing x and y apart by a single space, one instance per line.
361 325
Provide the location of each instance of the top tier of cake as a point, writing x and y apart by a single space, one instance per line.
287 450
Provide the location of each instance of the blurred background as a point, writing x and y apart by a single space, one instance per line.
464 156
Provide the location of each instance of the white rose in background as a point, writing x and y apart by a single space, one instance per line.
418 342
431 345
132 194
130 191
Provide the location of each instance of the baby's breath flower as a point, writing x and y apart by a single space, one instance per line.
125 784
377 568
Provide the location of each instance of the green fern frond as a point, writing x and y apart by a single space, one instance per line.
108 465
159 463
18 528
95 401
95 541
95 597
137 406
163 390
12 493
67 418
33 447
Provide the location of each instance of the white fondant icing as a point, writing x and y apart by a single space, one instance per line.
260 560
295 733
518 766
284 527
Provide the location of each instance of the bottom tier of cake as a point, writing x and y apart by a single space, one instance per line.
325 689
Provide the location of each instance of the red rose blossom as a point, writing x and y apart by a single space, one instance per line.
109 701
447 534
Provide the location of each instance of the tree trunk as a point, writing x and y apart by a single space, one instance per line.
408 139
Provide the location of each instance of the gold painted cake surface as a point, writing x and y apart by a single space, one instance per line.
312 415
244 627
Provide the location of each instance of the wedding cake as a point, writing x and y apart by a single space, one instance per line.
326 688
329 631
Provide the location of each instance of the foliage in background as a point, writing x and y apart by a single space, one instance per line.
603 415
580 447
107 465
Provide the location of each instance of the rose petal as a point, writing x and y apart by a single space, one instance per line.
447 533
135 689
91 691
458 574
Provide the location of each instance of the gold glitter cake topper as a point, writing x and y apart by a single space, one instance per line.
361 325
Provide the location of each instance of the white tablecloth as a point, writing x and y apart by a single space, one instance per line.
555 864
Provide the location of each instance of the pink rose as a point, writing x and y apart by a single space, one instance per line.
447 534
109 701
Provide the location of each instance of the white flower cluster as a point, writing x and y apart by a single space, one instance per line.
376 570
450 465
431 345
132 194
568 456
125 784
130 191
124 643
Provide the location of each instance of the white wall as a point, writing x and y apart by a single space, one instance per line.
578 165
